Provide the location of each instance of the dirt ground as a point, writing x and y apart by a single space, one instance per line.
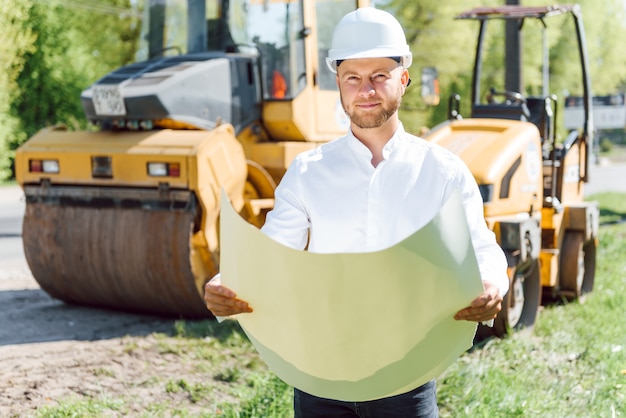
51 351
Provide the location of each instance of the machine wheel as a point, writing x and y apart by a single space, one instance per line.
578 265
258 194
521 303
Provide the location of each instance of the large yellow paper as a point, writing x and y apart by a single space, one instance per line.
355 326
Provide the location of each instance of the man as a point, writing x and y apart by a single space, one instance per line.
371 189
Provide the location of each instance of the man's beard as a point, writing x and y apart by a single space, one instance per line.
368 120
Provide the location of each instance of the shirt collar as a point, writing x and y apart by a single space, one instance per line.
361 149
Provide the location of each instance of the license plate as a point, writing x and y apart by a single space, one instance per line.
108 100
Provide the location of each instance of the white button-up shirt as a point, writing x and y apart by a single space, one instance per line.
335 200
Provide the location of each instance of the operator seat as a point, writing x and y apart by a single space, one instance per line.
501 111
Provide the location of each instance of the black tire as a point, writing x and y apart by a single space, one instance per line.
520 305
577 266
589 249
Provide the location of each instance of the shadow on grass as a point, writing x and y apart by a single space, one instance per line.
612 207
611 217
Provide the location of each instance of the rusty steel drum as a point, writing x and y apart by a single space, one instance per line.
129 259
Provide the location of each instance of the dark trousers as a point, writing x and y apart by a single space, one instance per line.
420 402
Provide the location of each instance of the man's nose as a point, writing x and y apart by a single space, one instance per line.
367 88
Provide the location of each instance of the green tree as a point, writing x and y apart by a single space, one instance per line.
16 39
605 26
438 40
70 46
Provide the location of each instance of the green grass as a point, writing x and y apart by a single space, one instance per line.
572 365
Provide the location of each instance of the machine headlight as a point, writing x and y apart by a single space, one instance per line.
158 169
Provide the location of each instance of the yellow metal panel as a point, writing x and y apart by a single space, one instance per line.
491 148
301 119
572 186
278 118
130 153
549 261
220 163
275 157
551 218
332 119
305 110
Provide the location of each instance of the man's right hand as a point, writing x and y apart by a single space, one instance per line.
222 301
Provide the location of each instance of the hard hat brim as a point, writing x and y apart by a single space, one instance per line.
334 57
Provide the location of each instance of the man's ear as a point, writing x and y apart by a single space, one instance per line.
404 78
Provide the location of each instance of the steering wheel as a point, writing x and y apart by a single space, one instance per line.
510 97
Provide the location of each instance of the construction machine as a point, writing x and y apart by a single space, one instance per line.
223 95
531 180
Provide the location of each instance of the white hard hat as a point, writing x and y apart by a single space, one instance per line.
368 32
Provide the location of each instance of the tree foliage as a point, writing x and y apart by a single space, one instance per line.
16 39
438 40
53 51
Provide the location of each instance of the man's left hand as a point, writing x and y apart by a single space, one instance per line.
485 307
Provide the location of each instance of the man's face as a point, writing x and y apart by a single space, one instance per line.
371 89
